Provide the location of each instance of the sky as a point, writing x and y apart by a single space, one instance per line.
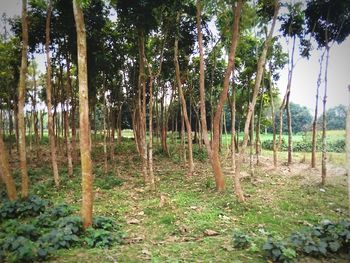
303 88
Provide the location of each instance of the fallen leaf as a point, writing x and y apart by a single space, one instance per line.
210 233
133 221
146 252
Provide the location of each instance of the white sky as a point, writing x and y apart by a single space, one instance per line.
305 75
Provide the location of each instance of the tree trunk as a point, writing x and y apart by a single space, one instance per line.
183 104
49 96
274 148
5 171
290 132
84 127
219 177
324 124
150 142
105 115
314 123
142 105
258 131
66 123
21 103
260 69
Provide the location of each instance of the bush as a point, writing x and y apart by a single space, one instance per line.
18 249
323 239
241 240
306 146
279 251
52 229
98 238
106 223
32 206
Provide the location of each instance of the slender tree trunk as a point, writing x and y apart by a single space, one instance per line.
183 141
183 104
324 120
84 127
219 177
314 123
5 172
21 103
290 132
258 131
66 122
49 96
150 142
105 115
274 148
260 69
142 105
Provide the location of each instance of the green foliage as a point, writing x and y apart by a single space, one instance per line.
49 217
279 251
74 223
32 206
200 154
55 228
108 182
105 223
337 146
98 237
18 249
323 239
241 240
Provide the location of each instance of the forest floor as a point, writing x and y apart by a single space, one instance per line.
186 219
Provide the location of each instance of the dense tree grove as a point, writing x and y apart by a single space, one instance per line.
180 74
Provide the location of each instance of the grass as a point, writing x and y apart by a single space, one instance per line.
170 224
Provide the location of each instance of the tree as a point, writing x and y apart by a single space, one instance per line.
84 125
292 27
21 103
183 102
5 171
336 118
49 97
260 68
328 22
213 149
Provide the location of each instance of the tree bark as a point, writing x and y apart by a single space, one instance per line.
21 103
66 123
49 97
183 104
219 177
314 123
324 120
84 127
260 69
274 148
142 105
5 171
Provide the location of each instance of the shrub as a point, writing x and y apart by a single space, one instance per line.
74 223
241 240
279 251
323 239
18 249
32 206
108 182
98 237
106 223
